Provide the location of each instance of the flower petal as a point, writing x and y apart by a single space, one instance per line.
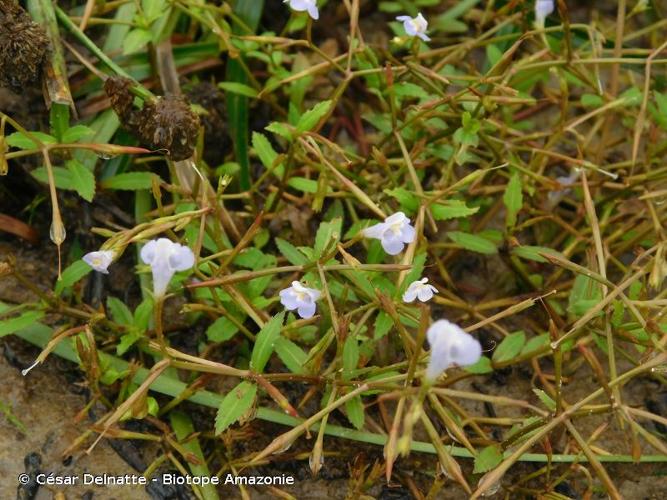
424 293
307 309
465 350
288 299
375 231
99 260
408 233
181 258
392 245
148 252
410 294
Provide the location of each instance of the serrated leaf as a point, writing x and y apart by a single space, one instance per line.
265 341
130 181
355 411
221 330
546 399
291 253
488 459
119 311
592 101
142 314
23 320
136 40
510 347
529 252
383 324
303 184
482 366
451 210
535 344
291 355
238 88
311 118
513 198
280 129
75 133
22 141
267 155
72 274
350 356
61 177
127 341
327 236
83 180
235 405
473 242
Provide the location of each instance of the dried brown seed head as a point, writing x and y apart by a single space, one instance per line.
23 47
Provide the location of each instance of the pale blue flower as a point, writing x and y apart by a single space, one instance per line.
416 26
100 260
393 233
301 298
542 9
165 258
309 6
419 289
450 345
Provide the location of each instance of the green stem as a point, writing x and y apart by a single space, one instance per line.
39 335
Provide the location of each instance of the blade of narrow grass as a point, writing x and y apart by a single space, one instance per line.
40 335
249 12
182 425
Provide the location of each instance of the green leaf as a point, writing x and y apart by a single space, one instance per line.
303 184
136 40
546 399
83 179
238 88
513 198
383 324
510 347
291 355
585 294
235 405
291 253
72 274
281 129
535 344
22 141
142 314
473 242
221 330
119 311
482 366
312 117
350 356
452 210
266 154
409 202
61 177
24 320
127 341
488 459
355 411
131 181
265 341
529 252
592 101
73 134
327 236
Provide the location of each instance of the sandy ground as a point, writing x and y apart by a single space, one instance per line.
47 408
